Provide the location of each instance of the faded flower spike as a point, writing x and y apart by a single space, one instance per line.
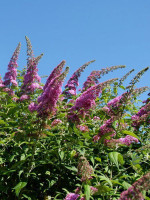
85 170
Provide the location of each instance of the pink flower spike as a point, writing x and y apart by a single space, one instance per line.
24 97
96 118
10 76
86 101
56 122
83 128
72 196
73 81
32 107
56 72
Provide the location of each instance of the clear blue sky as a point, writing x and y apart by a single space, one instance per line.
113 32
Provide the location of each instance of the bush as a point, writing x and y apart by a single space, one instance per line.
54 143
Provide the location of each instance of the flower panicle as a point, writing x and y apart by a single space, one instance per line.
140 90
108 69
29 48
135 191
87 100
136 79
107 83
125 77
72 196
56 72
73 81
85 170
61 77
36 60
126 141
11 75
16 53
142 115
48 99
92 79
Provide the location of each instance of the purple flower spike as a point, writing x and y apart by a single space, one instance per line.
86 101
142 116
92 79
135 191
56 72
48 99
72 196
10 76
31 78
73 81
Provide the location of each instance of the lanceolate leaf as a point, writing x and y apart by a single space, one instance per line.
19 187
116 158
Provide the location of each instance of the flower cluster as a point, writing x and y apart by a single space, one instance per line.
135 191
96 118
48 99
83 128
142 115
31 78
85 170
86 101
93 190
136 79
56 122
10 76
71 196
56 72
124 77
73 81
92 79
114 106
106 128
126 141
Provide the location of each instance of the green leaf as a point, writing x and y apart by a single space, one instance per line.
98 159
106 179
136 159
147 198
72 168
2 122
27 197
102 189
61 154
19 187
116 158
122 87
126 185
20 172
130 133
120 159
87 191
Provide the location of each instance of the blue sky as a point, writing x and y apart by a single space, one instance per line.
113 32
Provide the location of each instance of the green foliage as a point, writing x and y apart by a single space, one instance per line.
40 161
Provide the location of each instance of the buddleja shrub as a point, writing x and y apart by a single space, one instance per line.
62 145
